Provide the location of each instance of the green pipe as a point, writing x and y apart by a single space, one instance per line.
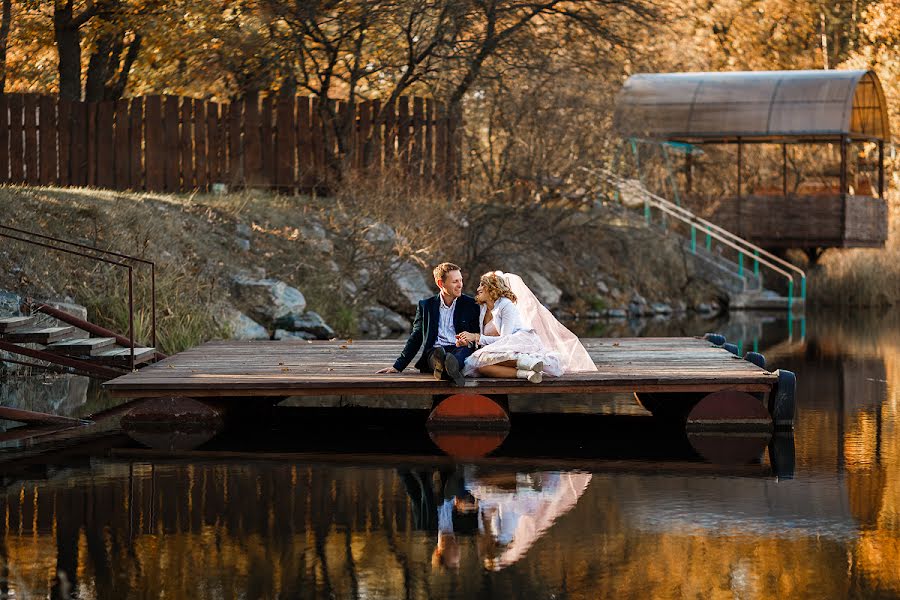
741 264
803 289
693 240
708 240
756 263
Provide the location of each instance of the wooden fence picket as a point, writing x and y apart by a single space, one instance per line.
171 144
47 157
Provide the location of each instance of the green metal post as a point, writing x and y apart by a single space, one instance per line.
647 211
693 240
756 263
802 328
790 295
741 264
708 240
755 344
740 347
803 289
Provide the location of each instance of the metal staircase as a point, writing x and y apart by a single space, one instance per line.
725 259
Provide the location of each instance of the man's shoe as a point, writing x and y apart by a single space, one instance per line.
438 357
453 372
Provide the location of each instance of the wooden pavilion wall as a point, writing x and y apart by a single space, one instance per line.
800 221
177 144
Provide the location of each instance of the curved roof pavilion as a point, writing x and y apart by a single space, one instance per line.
753 106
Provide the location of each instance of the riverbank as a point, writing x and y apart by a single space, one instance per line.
256 264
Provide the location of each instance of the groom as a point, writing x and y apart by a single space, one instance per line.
438 319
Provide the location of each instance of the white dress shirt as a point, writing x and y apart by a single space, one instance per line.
446 329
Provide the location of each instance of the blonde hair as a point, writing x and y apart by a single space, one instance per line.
440 271
496 287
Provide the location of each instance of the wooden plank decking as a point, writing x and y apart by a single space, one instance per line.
286 368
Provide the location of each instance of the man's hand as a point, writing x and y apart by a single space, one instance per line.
388 370
465 338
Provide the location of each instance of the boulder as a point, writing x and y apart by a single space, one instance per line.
543 288
310 323
411 284
9 304
380 233
241 326
267 300
661 308
281 334
314 234
381 322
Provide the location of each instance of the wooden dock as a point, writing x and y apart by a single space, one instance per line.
284 368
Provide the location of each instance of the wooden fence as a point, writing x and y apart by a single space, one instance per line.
177 144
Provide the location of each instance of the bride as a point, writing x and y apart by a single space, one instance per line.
518 336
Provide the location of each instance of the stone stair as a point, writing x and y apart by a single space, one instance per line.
68 341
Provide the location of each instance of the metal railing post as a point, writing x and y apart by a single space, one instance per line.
708 240
756 263
693 239
131 313
740 263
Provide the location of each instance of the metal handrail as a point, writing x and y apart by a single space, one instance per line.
128 267
108 253
709 225
742 246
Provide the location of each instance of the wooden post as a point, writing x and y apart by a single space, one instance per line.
4 140
881 169
286 142
171 157
201 164
843 182
186 147
305 157
784 169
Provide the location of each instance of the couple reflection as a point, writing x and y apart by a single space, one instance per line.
506 511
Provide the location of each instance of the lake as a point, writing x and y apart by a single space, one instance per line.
608 504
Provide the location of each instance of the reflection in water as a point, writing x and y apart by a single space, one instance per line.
624 522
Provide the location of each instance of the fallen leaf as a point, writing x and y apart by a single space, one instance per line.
343 346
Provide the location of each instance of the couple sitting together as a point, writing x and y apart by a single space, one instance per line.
504 331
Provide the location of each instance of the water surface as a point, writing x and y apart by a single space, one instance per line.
610 506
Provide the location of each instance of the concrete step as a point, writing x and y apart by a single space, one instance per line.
8 324
121 357
40 335
82 347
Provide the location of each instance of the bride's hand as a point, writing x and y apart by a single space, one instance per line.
465 338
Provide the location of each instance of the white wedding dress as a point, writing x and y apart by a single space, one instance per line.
528 328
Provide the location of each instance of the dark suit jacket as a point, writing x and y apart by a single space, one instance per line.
425 328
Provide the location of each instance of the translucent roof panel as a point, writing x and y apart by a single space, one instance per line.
755 105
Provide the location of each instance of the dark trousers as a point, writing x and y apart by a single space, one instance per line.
460 352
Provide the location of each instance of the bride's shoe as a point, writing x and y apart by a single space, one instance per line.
527 362
531 376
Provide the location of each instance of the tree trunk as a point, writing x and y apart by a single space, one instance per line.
4 41
68 45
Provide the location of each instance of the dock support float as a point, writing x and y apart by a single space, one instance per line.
468 425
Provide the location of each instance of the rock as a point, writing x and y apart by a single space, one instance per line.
48 393
543 288
638 306
616 313
243 230
315 235
310 322
9 304
410 284
281 334
243 244
378 321
602 287
76 310
242 327
353 286
380 233
267 299
704 308
661 308
681 306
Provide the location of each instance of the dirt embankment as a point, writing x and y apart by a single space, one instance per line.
360 256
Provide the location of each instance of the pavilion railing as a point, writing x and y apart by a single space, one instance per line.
747 252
